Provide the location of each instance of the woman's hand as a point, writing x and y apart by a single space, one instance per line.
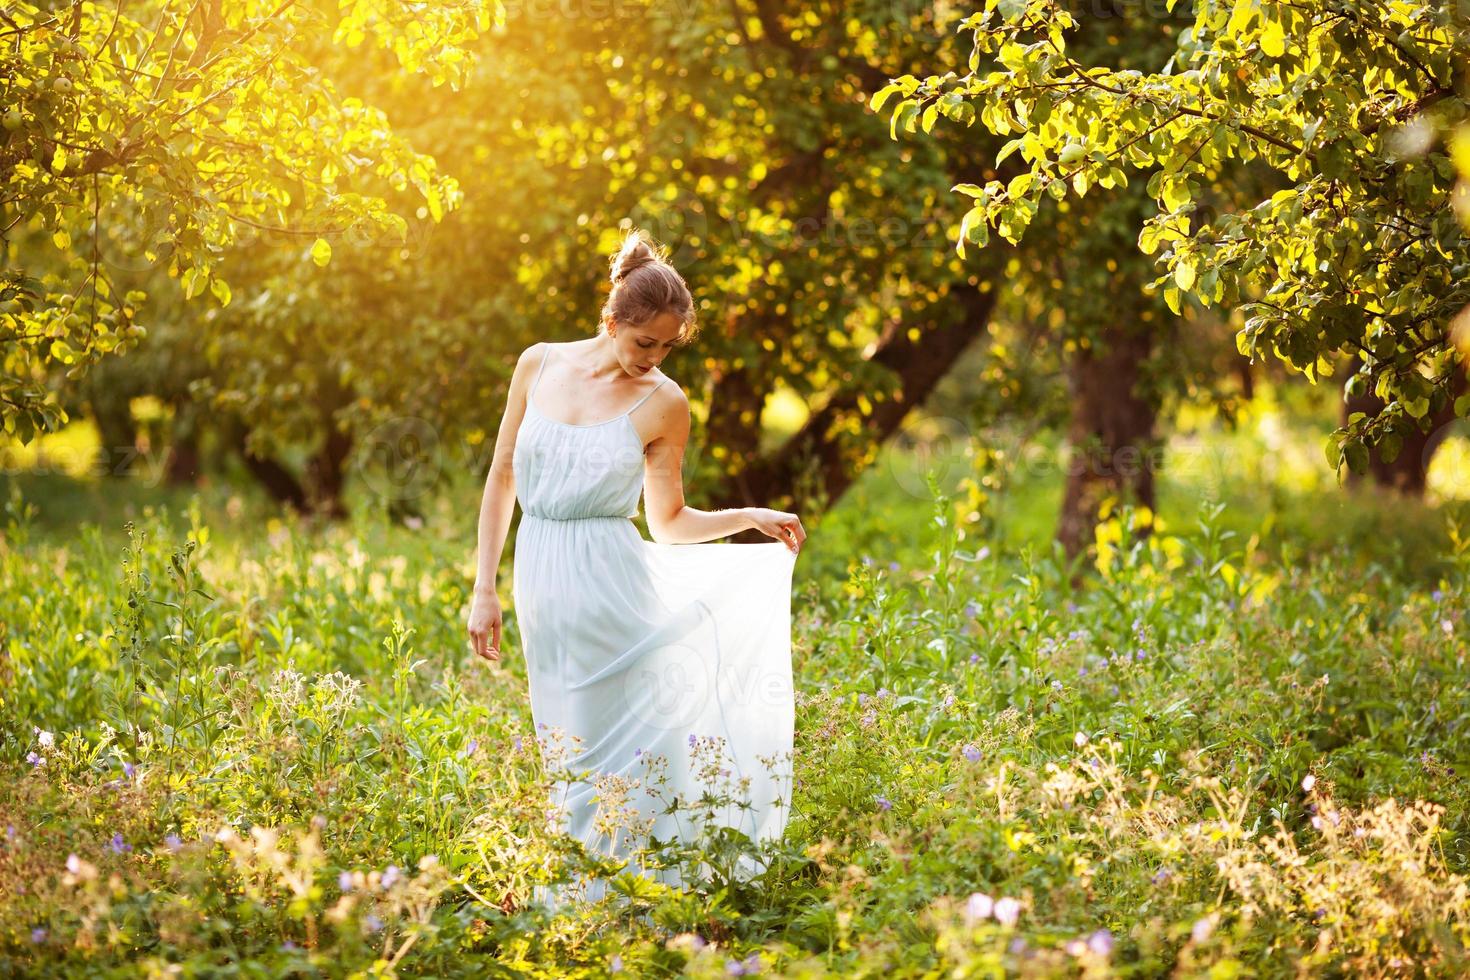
780 525
484 624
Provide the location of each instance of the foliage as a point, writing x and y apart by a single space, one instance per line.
1355 104
173 131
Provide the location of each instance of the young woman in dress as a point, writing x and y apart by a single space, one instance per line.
637 652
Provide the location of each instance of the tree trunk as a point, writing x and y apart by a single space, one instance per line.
813 468
279 482
1114 448
326 479
117 432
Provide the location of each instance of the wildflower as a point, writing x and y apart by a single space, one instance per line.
883 692
862 698
1079 739
344 881
174 843
1436 595
1137 654
1017 946
118 845
979 906
516 745
884 803
35 760
983 553
469 750
615 965
868 560
47 740
1101 942
1056 685
1162 875
1308 781
948 700
972 608
747 967
893 566
38 935
373 923
637 753
972 753
390 876
1447 626
974 658
692 740
73 864
289 947
1204 928
1082 670
1007 911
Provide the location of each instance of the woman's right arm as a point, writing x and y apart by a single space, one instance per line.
497 506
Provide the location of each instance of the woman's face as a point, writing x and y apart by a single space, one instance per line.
642 348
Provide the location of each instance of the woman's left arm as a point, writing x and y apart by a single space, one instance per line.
670 520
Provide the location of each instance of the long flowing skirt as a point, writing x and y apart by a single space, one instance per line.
658 674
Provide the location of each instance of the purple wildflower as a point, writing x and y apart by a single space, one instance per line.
1101 942
974 658
128 769
884 803
35 760
1162 875
173 842
948 700
118 845
1017 946
972 753
893 566
289 947
692 740
749 966
972 608
344 881
516 745
1056 685
615 965
391 875
38 935
373 923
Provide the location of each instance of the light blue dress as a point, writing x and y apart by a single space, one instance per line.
645 659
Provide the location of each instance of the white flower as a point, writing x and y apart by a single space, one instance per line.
1079 739
1308 781
1007 911
979 906
47 739
1204 927
73 863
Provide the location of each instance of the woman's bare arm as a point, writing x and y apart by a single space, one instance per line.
670 520
497 505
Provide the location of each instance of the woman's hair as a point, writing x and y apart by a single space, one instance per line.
645 285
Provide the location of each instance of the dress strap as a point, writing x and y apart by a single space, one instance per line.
645 397
544 358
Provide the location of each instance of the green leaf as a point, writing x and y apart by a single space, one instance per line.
1462 406
321 252
221 291
881 96
1184 272
1273 40
1357 456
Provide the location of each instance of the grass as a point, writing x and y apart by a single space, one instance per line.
234 743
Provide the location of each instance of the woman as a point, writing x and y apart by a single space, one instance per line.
664 666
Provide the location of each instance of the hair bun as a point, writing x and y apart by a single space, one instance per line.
636 252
